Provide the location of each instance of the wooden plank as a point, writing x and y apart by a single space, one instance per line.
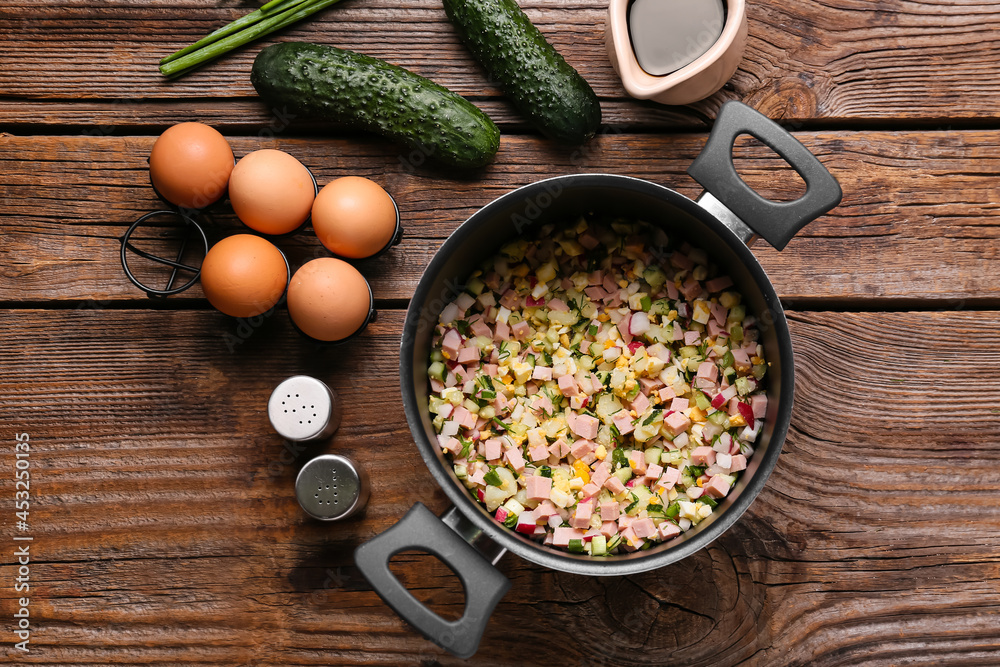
841 60
166 531
916 224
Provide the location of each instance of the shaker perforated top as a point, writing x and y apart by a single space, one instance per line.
331 487
303 408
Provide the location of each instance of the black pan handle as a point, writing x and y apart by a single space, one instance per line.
777 222
484 584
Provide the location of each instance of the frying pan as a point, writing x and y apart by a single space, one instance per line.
723 221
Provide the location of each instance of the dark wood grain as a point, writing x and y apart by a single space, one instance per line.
917 220
166 531
841 60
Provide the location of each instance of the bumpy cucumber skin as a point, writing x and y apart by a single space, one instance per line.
540 83
370 94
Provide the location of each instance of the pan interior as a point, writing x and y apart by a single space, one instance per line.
521 213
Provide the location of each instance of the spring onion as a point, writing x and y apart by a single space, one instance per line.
273 16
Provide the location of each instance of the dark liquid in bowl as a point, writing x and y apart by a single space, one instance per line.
667 35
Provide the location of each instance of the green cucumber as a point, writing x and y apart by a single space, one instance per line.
370 94
541 84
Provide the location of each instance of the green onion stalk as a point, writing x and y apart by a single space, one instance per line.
274 15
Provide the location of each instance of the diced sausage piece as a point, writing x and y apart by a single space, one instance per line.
718 283
590 489
643 528
545 508
460 414
740 358
559 448
640 403
480 328
670 477
585 426
679 405
758 403
614 485
538 487
558 305
739 463
582 448
451 342
691 337
514 458
600 474
563 534
623 422
609 511
669 529
632 541
717 487
581 518
654 471
676 423
543 373
538 453
468 355
453 445
708 370
649 385
493 449
666 394
637 461
719 314
681 261
568 386
502 332
703 456
520 330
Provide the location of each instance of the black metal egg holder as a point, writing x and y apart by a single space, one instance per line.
175 264
186 215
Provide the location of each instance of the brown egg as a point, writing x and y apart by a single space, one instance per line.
244 275
190 165
354 217
271 191
328 299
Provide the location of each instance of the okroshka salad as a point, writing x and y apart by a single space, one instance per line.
593 395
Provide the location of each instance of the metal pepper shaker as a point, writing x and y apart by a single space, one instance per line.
304 409
332 487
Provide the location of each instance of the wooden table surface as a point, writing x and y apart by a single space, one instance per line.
165 529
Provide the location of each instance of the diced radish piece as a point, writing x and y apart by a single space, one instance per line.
450 313
634 345
638 324
526 522
747 413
